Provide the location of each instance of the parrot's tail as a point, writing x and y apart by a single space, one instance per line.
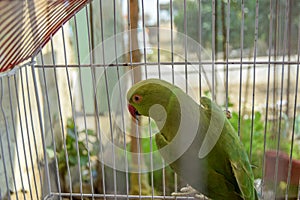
257 189
256 195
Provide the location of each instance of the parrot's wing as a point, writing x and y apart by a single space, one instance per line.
160 140
245 184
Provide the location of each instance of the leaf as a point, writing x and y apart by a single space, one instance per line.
70 133
84 160
72 160
90 132
50 152
70 124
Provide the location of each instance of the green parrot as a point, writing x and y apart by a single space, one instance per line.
196 140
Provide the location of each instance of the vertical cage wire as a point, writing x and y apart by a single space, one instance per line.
65 132
294 116
281 91
58 181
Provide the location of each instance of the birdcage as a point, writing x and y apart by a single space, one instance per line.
65 131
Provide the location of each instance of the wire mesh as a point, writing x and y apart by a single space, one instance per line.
65 132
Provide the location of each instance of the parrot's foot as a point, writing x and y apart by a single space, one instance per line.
200 196
228 114
188 191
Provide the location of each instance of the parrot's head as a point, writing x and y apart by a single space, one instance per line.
149 95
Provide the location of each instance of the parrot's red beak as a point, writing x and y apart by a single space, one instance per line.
134 113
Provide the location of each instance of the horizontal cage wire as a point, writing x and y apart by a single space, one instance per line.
65 126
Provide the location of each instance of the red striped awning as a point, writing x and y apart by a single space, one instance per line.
26 26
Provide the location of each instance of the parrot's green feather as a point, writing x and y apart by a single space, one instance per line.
224 172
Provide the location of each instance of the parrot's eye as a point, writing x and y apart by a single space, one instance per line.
136 98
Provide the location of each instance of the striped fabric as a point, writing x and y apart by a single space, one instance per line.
26 26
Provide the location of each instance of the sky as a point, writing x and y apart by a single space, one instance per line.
150 7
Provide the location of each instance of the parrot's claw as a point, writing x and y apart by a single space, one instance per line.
200 196
188 191
228 114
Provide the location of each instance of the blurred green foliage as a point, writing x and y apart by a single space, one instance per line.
148 145
75 152
236 15
158 175
256 140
